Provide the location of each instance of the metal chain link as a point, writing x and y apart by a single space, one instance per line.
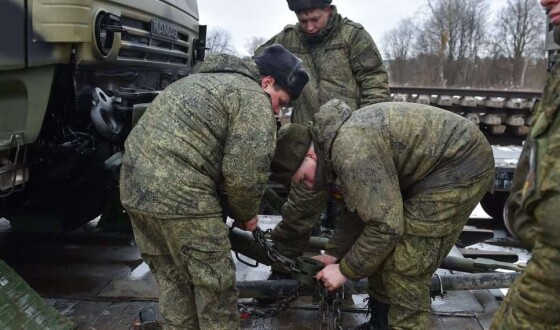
339 297
262 312
288 264
329 305
329 302
324 306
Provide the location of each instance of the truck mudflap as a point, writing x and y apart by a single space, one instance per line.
22 308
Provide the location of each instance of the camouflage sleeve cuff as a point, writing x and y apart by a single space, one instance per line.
333 250
347 272
243 209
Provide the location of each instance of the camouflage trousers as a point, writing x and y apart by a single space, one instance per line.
533 302
433 222
191 261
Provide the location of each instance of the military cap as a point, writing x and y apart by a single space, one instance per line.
291 148
285 67
299 5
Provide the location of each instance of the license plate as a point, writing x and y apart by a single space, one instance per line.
164 30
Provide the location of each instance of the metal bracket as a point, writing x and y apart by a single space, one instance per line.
16 139
441 292
309 267
245 262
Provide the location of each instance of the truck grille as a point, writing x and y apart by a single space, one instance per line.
137 44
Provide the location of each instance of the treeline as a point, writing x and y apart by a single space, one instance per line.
456 43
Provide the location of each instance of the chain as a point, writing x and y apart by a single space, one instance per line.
247 312
339 297
323 306
330 303
288 264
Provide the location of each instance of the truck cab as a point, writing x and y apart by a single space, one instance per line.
74 76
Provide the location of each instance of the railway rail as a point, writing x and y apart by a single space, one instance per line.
504 116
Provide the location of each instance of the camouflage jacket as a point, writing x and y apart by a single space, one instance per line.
381 154
538 172
211 131
343 63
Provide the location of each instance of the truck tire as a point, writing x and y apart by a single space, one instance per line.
493 204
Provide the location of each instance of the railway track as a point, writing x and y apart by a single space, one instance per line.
505 116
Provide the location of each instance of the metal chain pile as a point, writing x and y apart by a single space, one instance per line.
287 264
329 303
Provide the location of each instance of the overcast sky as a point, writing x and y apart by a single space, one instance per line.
264 18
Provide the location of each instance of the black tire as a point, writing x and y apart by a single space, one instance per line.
494 204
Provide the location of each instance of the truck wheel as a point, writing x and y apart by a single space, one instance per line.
494 204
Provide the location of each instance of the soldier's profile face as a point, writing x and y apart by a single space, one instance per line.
553 9
314 20
306 173
278 97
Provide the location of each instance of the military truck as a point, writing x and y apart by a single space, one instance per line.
74 75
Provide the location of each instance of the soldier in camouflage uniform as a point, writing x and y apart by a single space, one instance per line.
409 176
205 136
343 62
532 214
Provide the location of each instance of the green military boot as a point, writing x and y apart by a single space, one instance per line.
378 320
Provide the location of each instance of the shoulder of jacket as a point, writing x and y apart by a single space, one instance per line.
349 30
289 37
351 24
289 28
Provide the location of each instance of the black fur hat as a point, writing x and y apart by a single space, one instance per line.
299 5
285 67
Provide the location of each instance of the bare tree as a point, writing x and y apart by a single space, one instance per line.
453 31
454 46
473 36
219 41
397 43
520 30
252 44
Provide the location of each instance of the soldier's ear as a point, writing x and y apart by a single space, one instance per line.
267 81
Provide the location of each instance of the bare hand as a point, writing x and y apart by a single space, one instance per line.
331 277
325 259
248 225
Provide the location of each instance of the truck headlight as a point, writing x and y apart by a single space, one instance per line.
106 24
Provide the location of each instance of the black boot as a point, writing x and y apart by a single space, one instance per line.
378 320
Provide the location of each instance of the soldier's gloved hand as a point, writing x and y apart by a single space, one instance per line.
326 259
249 225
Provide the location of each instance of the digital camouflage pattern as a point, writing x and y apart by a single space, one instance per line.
209 134
532 216
342 62
211 131
409 176
192 264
